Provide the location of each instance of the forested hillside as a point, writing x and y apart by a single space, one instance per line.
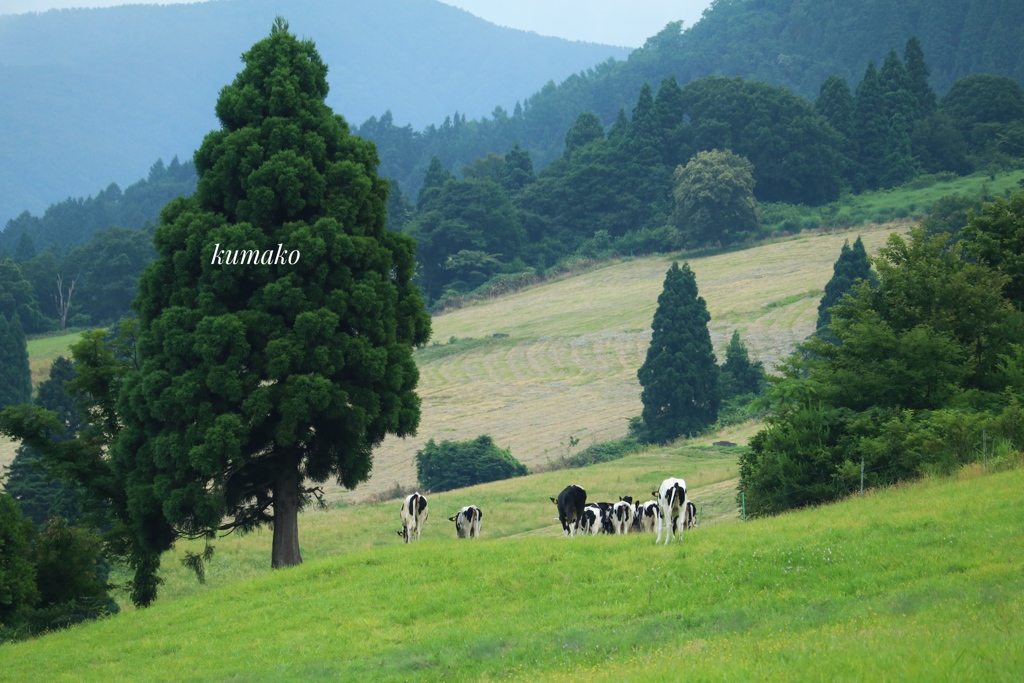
100 93
792 44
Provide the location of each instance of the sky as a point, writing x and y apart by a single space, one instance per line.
614 22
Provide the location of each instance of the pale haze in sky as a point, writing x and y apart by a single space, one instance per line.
615 22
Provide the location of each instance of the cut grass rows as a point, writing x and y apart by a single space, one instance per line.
568 366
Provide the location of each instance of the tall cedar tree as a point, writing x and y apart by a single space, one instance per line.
40 494
917 78
851 266
256 379
15 375
871 128
680 375
586 129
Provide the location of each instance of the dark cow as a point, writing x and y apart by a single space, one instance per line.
414 514
571 502
672 501
467 522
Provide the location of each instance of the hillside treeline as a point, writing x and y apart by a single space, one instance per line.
79 263
797 45
618 190
920 371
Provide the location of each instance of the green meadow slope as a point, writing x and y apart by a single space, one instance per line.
921 582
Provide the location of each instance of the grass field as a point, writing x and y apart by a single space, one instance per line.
512 508
43 351
913 200
922 582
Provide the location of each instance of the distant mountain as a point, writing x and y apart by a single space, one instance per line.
91 96
791 43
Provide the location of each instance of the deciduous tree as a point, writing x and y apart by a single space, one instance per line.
714 199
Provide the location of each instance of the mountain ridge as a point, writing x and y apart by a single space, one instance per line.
88 96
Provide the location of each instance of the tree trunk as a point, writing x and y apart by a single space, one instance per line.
286 516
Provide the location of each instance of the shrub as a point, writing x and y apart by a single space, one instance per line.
597 453
456 464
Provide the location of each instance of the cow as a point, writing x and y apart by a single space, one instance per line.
622 516
690 519
571 502
649 517
414 514
672 501
467 522
593 520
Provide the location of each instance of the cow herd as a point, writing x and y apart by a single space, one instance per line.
625 516
671 513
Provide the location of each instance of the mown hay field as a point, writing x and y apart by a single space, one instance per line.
568 365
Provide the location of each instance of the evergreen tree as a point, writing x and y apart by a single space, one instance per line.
851 266
586 129
896 89
26 250
642 136
835 103
18 591
917 78
517 172
871 128
680 375
899 164
38 492
399 207
740 375
619 127
15 375
17 298
254 379
433 180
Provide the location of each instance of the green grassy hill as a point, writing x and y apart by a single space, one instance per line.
920 582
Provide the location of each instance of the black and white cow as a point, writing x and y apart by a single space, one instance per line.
690 518
414 514
622 515
672 501
593 520
571 502
649 517
467 522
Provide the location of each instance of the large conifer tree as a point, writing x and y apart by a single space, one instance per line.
257 379
680 375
